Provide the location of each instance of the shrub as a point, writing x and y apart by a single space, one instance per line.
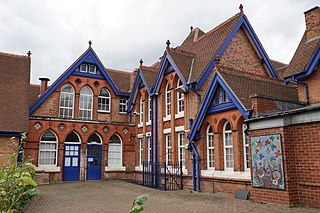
17 185
138 204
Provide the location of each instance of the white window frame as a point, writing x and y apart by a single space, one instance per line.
168 101
149 148
168 149
62 108
149 110
94 70
245 148
141 111
210 138
180 99
84 65
85 96
181 149
48 150
106 99
123 104
116 166
141 150
227 134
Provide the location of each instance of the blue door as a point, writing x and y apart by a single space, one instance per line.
71 163
94 160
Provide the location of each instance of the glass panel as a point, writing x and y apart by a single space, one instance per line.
75 161
97 161
67 161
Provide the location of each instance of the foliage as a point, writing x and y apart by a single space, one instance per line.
17 185
138 204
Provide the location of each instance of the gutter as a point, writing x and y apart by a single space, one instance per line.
293 79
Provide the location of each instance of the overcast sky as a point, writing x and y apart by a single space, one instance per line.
123 31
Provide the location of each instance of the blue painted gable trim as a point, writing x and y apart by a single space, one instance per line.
310 68
88 75
242 21
139 83
166 70
216 80
10 133
89 56
221 108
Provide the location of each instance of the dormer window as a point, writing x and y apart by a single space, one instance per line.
92 69
83 68
220 97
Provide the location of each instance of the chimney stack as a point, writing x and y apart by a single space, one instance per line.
44 85
312 18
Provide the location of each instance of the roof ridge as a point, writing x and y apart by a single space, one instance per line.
118 71
251 75
218 26
13 55
149 67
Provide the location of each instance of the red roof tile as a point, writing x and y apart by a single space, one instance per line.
149 74
120 78
34 93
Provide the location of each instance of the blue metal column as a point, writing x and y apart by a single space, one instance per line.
155 141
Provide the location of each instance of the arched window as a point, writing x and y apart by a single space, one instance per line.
168 100
85 103
104 100
210 147
246 149
66 101
141 110
115 151
48 149
94 139
180 98
72 137
228 146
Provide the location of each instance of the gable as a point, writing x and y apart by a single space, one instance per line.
88 57
241 55
241 23
207 107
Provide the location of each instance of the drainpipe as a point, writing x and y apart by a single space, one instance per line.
155 137
293 79
195 167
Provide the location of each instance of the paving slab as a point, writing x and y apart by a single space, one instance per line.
118 196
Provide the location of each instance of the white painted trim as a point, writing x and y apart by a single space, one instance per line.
148 134
122 168
47 169
167 131
140 125
148 123
138 168
179 115
266 123
167 118
226 174
140 135
179 129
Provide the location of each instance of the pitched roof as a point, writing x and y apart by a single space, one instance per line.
206 45
302 56
279 67
244 85
34 93
15 81
149 74
183 61
120 78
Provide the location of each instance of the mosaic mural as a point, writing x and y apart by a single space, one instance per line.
267 162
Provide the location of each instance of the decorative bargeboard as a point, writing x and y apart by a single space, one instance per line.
267 162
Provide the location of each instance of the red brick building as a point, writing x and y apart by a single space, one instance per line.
14 101
216 106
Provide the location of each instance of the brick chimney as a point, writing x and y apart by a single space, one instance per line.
44 85
312 18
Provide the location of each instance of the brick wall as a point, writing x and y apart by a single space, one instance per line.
314 88
7 148
241 56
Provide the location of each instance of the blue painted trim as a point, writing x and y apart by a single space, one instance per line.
88 75
310 68
216 80
155 131
89 53
242 21
221 108
10 133
164 70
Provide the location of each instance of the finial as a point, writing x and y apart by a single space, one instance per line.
90 42
141 62
241 8
217 59
191 28
29 53
168 44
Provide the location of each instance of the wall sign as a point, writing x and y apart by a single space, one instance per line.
267 162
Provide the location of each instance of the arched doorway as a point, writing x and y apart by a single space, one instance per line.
94 157
71 160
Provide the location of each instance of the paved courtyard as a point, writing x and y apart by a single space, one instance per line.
117 196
